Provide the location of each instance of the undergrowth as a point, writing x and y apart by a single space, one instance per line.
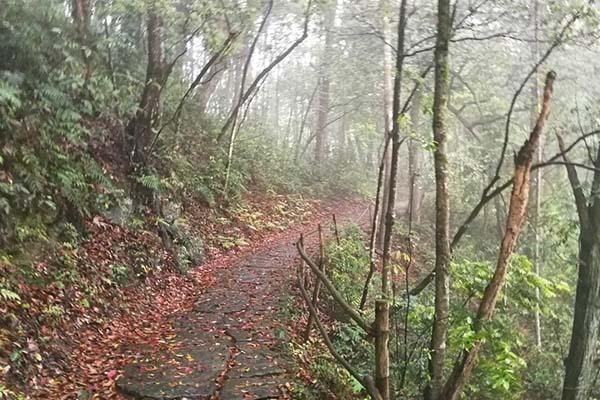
503 369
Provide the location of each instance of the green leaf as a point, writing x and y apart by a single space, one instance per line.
9 295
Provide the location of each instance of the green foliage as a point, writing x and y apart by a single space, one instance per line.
47 174
151 182
9 295
8 394
349 262
120 273
331 381
505 370
499 373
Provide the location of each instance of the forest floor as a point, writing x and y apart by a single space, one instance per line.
229 344
215 334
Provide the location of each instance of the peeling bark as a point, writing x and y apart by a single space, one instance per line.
517 211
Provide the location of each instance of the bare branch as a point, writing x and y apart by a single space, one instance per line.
177 114
352 313
366 382
266 71
580 200
555 44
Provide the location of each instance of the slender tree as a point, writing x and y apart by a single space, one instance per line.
415 155
535 100
382 306
323 99
80 12
387 115
442 207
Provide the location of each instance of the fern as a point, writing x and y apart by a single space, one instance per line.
206 194
54 96
95 174
9 295
151 182
9 96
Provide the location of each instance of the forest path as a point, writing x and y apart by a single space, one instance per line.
229 345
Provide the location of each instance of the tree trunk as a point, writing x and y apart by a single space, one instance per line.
442 208
415 155
80 12
324 87
387 116
382 376
517 211
206 91
382 356
579 365
303 123
580 361
535 100
147 117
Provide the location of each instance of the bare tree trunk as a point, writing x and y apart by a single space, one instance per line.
303 123
382 355
317 287
500 217
242 77
442 207
517 211
382 338
415 156
387 115
206 91
231 125
374 229
323 98
580 362
535 97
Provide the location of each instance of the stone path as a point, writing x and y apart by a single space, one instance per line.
226 348
229 346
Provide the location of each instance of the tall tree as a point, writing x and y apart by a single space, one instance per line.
147 117
581 360
442 207
81 14
535 100
324 85
415 156
381 345
387 114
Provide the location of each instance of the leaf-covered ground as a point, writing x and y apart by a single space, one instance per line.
82 349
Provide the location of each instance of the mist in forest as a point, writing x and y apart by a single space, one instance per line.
307 199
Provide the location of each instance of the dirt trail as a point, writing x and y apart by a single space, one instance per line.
228 346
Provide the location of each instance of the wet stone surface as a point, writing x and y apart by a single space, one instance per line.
224 347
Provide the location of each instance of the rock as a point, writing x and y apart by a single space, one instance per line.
171 211
121 213
188 248
256 389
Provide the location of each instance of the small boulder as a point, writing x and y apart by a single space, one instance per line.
188 248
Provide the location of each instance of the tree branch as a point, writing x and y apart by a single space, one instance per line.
177 114
265 71
366 382
580 199
334 293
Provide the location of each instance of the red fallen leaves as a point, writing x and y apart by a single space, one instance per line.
147 321
92 348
